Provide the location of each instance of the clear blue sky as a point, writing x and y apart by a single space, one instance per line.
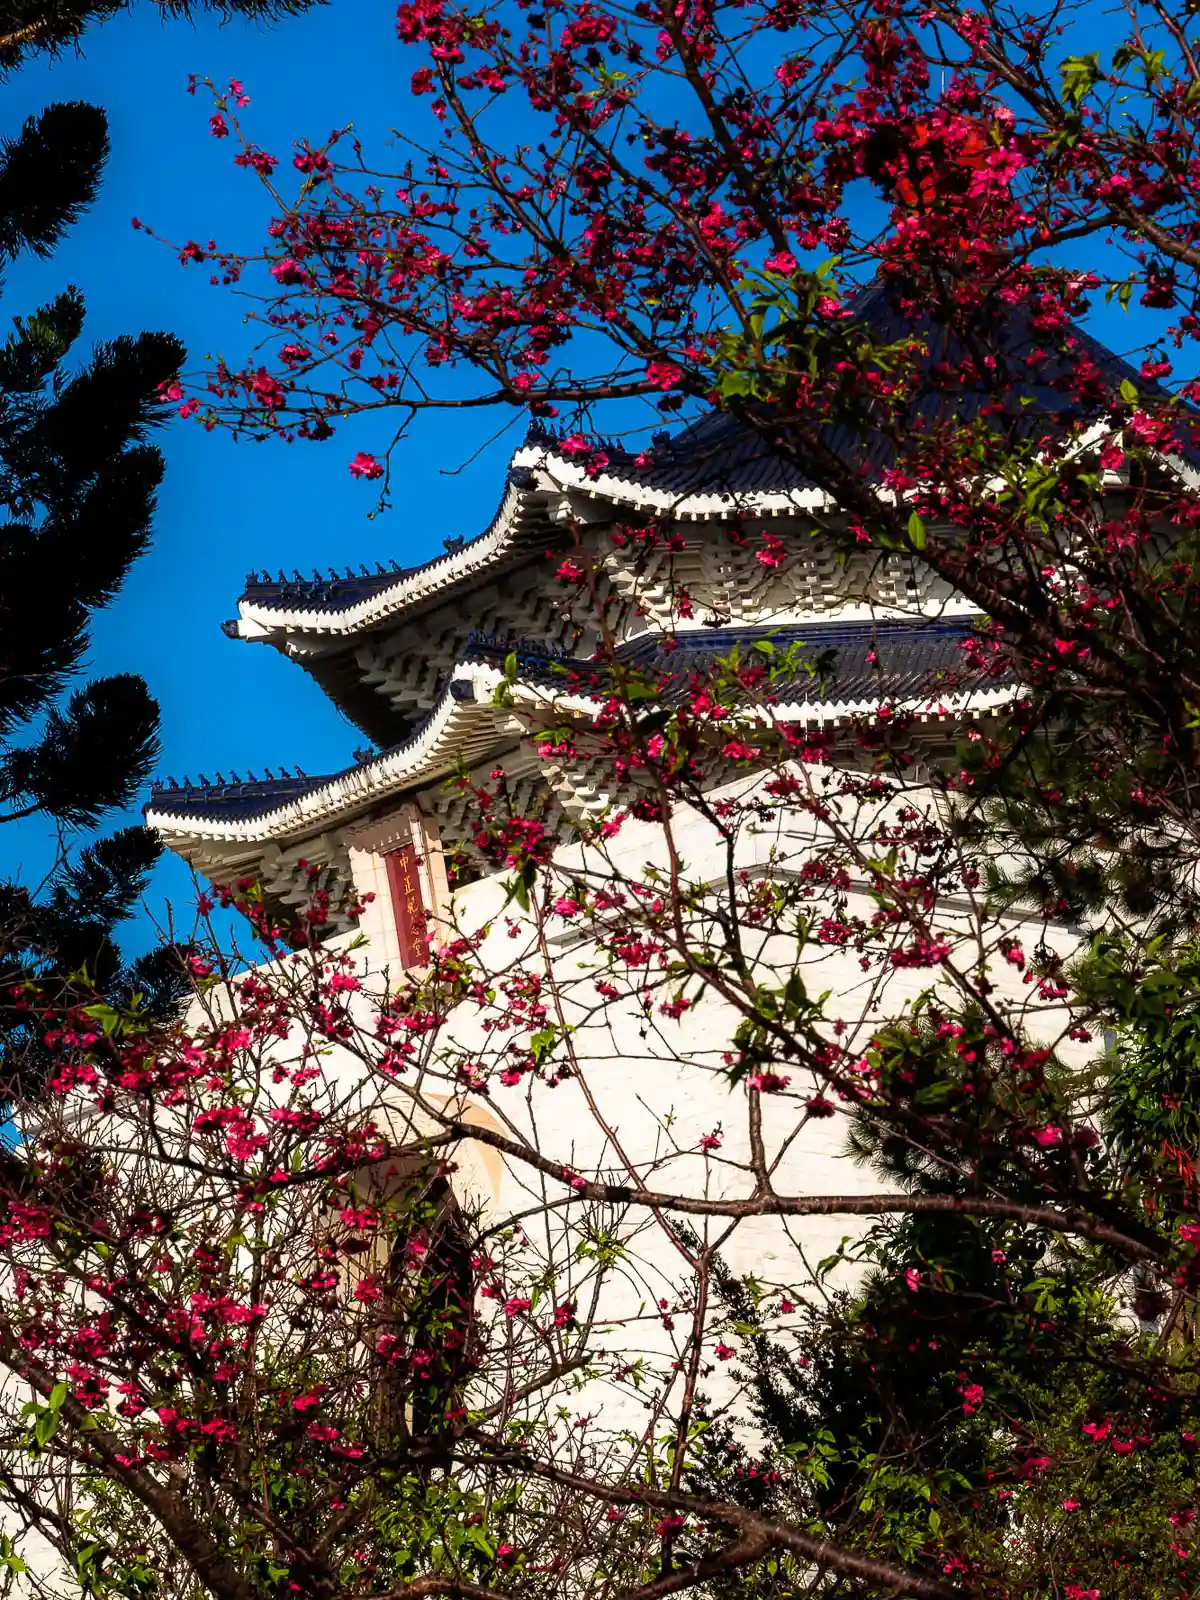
227 507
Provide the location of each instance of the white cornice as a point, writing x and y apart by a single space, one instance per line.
454 730
554 474
565 474
268 622
928 707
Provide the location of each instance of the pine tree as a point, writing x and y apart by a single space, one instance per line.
77 495
77 490
30 26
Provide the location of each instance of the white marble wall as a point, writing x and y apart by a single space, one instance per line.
643 1094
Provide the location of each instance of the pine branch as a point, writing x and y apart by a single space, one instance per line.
49 174
91 757
51 26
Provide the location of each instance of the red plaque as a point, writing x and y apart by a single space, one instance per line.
408 906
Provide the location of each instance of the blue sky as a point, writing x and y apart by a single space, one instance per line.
227 507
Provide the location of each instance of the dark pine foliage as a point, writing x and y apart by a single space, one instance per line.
28 27
77 493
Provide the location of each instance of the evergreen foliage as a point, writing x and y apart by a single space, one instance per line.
77 495
965 1407
28 27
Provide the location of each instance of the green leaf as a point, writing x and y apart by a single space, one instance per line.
916 531
46 1427
1128 392
104 1015
541 1042
1079 75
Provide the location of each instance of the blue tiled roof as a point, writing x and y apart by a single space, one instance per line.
334 591
910 660
720 455
322 589
228 801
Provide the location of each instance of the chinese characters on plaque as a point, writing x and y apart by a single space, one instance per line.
408 906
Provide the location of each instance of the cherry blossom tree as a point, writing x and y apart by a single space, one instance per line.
845 233
261 1340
